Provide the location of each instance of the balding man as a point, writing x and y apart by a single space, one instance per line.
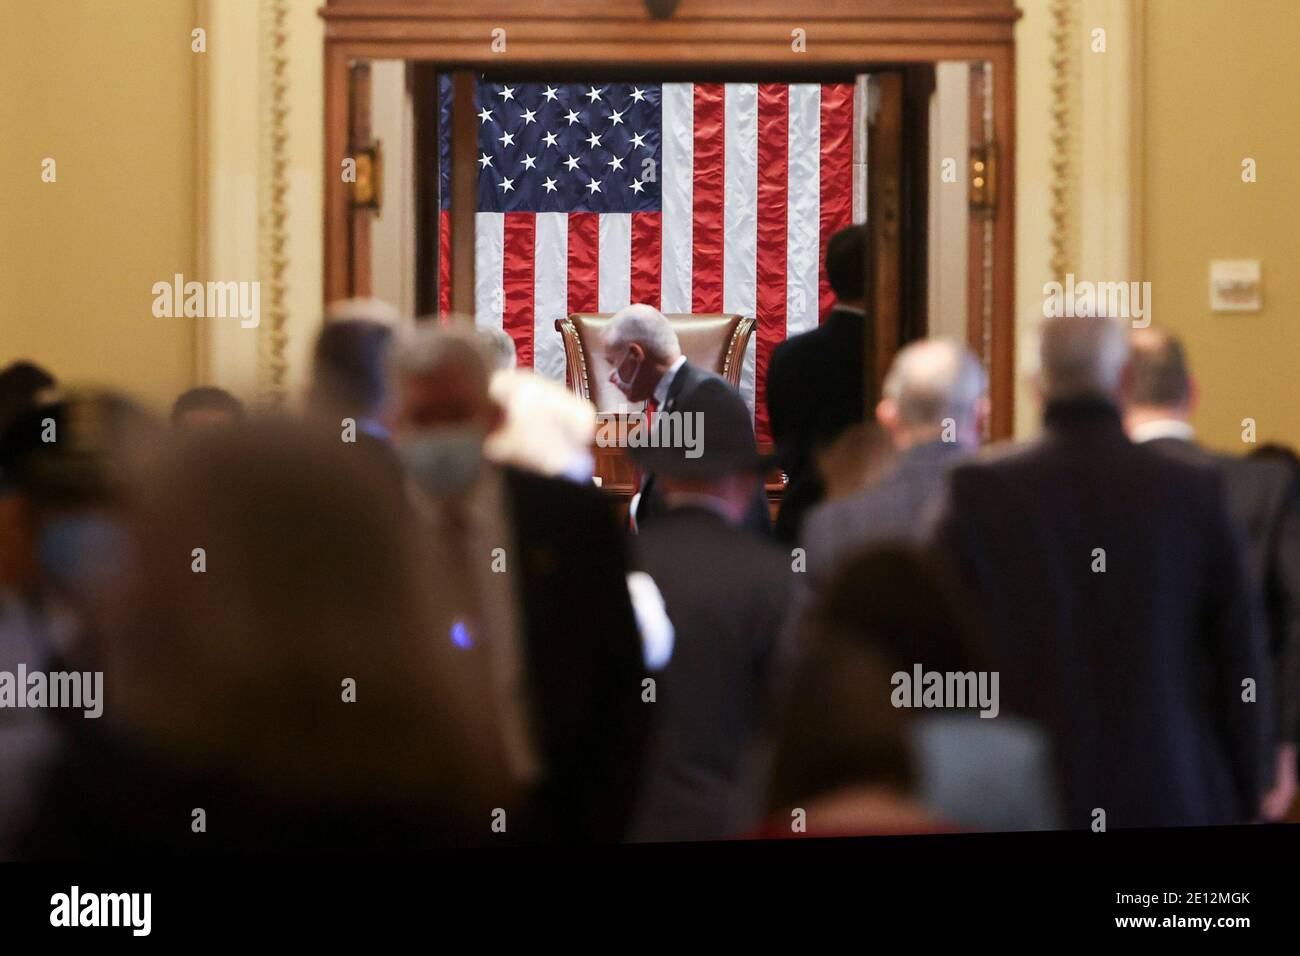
1116 603
1266 503
642 348
933 409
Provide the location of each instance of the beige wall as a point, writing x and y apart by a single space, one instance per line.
1223 83
108 91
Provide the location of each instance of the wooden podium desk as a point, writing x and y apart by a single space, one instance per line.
619 477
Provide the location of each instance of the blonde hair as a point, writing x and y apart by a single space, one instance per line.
547 428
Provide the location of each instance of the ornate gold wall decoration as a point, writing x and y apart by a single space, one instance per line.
1064 87
273 181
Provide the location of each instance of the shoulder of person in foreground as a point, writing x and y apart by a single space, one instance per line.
1271 480
584 496
987 774
985 468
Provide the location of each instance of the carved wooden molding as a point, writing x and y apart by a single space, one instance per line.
737 345
726 31
575 359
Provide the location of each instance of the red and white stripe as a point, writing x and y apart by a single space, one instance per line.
755 178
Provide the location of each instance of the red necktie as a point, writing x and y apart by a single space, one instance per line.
651 406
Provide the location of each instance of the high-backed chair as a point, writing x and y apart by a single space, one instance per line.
716 342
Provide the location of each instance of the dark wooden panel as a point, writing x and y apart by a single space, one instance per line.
423 78
464 192
619 477
884 218
359 218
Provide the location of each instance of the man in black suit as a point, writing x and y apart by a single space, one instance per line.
818 383
649 367
933 409
538 568
726 593
1265 501
1117 603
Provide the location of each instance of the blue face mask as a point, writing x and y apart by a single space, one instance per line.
82 553
445 460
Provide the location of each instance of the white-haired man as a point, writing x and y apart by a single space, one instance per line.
648 366
933 408
1115 603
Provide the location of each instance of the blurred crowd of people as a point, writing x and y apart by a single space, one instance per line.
403 615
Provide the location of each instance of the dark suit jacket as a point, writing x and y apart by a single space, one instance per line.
1266 503
727 595
1136 672
894 508
583 656
686 384
817 386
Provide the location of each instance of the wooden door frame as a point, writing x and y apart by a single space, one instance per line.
841 36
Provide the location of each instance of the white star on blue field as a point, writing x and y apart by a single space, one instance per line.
571 147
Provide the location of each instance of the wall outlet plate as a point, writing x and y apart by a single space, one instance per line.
1235 285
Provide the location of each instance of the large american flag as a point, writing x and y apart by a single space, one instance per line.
692 197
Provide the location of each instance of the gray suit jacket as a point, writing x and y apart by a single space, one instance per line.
894 508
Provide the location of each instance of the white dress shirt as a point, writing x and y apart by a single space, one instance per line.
1161 428
666 382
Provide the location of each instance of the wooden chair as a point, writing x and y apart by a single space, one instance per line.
716 342
713 341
